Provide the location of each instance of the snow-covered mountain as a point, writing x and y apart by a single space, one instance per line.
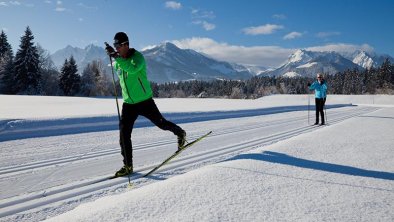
367 59
308 63
81 56
168 63
256 70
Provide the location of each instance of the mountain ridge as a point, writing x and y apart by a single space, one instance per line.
168 63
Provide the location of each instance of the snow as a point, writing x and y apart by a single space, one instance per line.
263 162
307 65
291 74
363 60
299 56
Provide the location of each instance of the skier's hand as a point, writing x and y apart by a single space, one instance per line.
308 84
111 51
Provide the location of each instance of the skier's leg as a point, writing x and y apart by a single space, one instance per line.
323 101
317 110
151 112
129 115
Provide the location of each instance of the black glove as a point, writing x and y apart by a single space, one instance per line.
111 51
308 84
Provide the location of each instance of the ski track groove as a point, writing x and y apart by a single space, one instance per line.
4 171
40 199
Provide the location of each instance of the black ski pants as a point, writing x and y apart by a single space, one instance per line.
320 108
130 112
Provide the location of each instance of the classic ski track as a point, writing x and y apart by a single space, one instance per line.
5 171
68 192
232 149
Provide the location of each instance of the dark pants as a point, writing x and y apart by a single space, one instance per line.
320 108
130 112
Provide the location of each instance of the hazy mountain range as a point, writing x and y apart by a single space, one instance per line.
168 63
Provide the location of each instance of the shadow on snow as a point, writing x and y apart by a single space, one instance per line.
274 157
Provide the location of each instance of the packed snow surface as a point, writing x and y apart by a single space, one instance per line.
263 162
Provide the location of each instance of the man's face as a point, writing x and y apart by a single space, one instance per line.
122 49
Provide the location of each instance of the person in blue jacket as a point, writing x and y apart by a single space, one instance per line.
320 88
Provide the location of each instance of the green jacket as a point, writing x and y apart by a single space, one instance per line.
132 77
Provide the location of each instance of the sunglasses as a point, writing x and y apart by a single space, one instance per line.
319 77
118 45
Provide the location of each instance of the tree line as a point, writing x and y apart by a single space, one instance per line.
32 72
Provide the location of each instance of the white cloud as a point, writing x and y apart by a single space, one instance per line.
48 1
202 14
279 16
15 3
59 7
341 47
87 6
262 30
206 25
292 35
173 5
327 34
268 56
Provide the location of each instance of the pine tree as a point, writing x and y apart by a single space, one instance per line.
69 81
5 47
6 65
385 73
94 82
27 75
49 73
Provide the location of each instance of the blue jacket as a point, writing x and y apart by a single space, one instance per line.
320 89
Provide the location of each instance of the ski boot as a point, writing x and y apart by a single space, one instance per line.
181 140
125 170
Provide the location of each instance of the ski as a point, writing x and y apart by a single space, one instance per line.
177 153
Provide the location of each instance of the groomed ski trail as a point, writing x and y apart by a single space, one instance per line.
205 152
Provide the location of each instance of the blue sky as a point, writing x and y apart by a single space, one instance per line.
258 32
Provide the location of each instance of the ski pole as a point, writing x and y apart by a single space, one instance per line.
117 107
309 103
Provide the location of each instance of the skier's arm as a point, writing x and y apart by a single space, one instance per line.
131 65
313 86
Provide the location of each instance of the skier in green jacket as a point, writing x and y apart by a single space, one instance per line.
137 98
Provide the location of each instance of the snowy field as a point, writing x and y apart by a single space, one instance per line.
263 161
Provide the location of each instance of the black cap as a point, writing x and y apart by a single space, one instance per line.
120 38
